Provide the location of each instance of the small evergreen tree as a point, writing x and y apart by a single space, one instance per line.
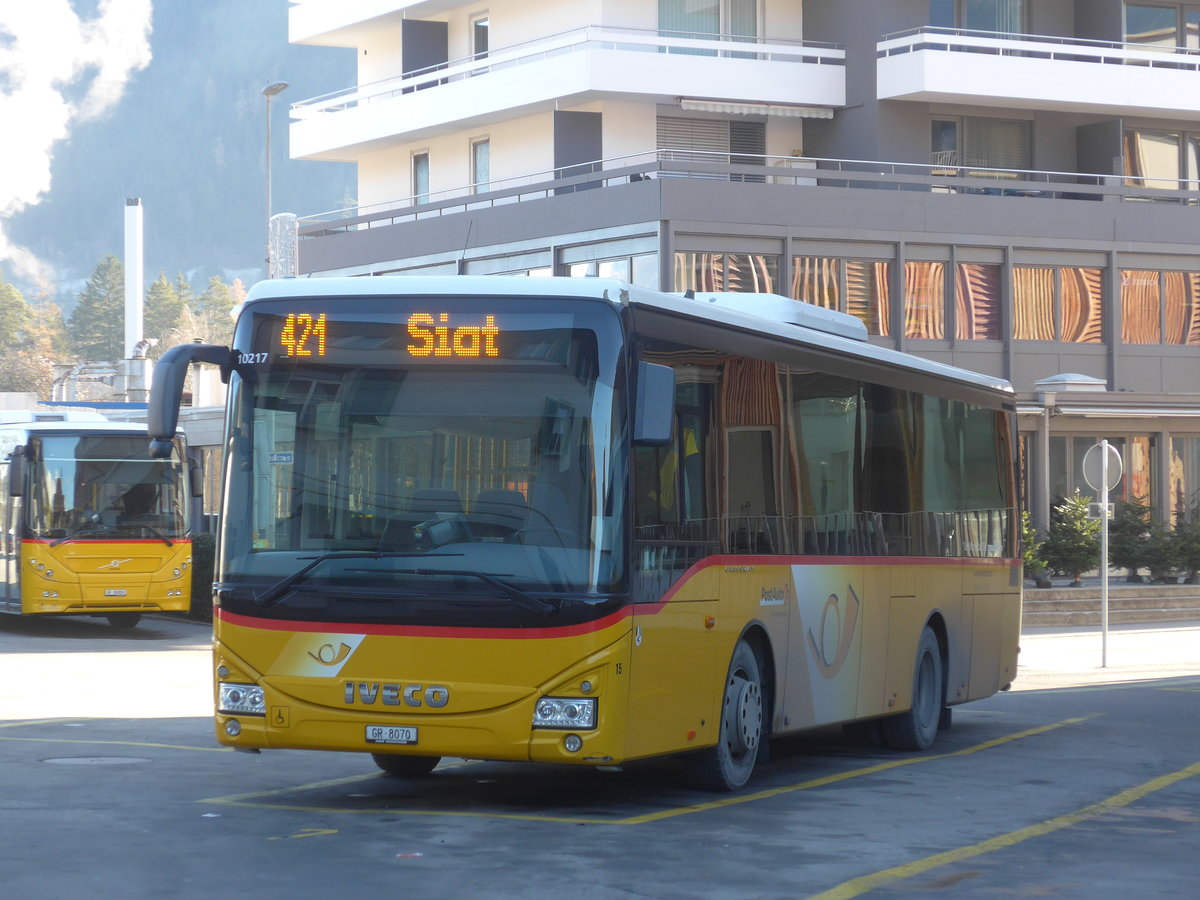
97 328
1073 544
1031 552
1128 533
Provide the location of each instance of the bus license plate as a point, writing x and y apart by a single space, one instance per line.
391 734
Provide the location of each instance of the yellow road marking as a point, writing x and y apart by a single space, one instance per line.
45 740
252 798
35 722
859 886
306 833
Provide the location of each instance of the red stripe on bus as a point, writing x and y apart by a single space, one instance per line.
446 631
49 542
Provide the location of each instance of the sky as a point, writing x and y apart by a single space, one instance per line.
103 100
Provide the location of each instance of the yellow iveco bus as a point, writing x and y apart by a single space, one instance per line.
92 524
574 521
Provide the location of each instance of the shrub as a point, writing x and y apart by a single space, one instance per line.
1073 544
1128 534
1031 552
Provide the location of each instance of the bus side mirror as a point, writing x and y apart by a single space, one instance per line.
196 476
16 473
654 409
166 390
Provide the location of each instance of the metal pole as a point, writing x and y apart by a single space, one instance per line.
268 92
1104 554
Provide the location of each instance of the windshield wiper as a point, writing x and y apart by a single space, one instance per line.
272 595
90 526
519 598
150 528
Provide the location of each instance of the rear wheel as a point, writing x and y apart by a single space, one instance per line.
123 619
727 766
406 766
917 728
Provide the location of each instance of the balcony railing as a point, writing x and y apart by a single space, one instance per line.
942 177
591 37
1038 46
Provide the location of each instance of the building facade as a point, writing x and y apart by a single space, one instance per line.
1011 186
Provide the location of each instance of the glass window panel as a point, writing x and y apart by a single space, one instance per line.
645 270
998 143
695 18
743 18
1140 307
420 176
1191 161
1058 468
817 280
480 29
1033 304
868 294
751 273
1150 25
1082 292
977 302
925 300
698 271
993 15
481 165
1152 159
941 13
1191 28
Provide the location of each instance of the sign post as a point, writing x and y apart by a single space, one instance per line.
1102 470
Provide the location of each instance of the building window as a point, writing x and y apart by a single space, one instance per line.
925 300
741 273
1063 303
1168 27
481 165
641 269
1005 16
1162 159
420 177
977 299
1160 307
854 286
480 26
707 18
982 142
714 140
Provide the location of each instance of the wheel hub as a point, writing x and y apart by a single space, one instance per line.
745 714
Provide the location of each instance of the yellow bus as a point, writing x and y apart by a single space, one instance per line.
574 521
93 525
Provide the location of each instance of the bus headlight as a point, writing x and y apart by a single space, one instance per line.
565 712
241 698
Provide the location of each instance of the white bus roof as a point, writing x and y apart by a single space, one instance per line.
821 329
101 427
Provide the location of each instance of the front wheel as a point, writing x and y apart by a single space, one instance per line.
406 766
727 766
916 729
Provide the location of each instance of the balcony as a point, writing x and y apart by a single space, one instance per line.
571 68
942 65
348 22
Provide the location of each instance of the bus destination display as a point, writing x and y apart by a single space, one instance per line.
427 335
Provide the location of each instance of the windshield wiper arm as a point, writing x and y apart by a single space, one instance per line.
272 595
519 597
91 526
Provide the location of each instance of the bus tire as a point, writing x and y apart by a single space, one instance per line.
728 765
123 619
406 766
917 728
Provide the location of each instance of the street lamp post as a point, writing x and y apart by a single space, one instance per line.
268 92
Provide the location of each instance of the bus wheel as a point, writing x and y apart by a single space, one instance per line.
727 766
406 766
916 729
123 620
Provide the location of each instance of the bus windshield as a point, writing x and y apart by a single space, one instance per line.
103 486
382 464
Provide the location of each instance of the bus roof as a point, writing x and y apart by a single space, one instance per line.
822 329
77 427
